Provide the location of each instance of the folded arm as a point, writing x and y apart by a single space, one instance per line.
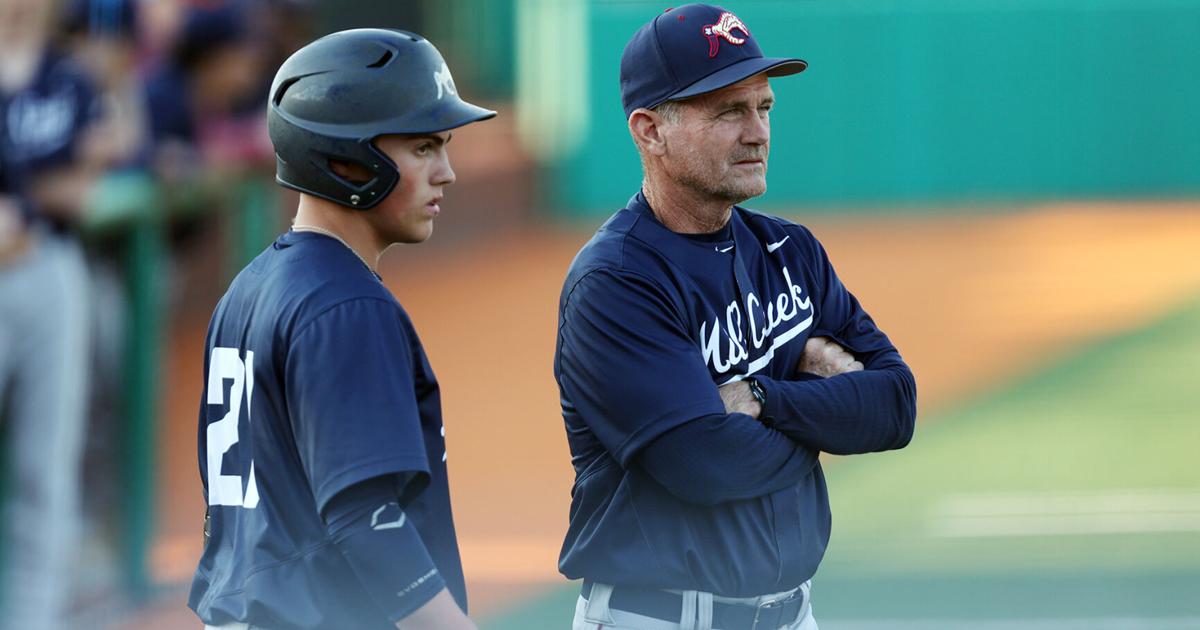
725 457
633 374
851 392
855 411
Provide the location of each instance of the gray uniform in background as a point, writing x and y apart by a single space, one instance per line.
43 377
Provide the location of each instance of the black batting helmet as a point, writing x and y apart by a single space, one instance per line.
333 97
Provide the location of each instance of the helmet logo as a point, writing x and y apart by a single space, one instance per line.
444 81
724 29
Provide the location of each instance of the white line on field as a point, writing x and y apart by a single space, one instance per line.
1065 514
1064 525
1115 623
1072 503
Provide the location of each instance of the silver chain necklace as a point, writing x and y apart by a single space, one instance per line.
300 227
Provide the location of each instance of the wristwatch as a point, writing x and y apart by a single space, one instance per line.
756 390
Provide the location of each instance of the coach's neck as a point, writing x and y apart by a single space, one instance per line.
682 208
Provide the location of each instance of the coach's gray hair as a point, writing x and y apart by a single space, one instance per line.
669 110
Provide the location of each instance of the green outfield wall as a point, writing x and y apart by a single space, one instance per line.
905 102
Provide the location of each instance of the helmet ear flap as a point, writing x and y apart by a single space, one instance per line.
350 173
363 182
312 172
353 177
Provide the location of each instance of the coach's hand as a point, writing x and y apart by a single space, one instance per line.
738 399
824 357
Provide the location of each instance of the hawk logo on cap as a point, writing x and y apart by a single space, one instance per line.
724 28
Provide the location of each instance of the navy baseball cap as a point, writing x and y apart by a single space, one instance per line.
691 50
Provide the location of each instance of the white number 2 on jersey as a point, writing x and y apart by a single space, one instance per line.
223 434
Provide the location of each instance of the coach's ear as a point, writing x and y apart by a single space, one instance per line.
646 128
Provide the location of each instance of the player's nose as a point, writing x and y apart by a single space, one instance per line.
443 174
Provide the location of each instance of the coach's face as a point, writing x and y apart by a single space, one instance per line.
406 215
719 142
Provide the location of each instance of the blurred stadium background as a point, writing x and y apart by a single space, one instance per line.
1011 187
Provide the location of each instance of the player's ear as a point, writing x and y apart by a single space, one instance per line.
646 128
351 172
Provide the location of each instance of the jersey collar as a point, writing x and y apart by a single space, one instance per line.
704 252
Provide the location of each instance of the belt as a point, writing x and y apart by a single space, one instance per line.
667 606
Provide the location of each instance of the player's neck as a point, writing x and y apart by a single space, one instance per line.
350 228
682 210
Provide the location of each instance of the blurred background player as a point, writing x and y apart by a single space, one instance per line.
321 442
102 38
51 154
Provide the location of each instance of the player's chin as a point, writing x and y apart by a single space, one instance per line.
418 233
423 233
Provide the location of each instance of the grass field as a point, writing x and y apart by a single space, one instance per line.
1070 499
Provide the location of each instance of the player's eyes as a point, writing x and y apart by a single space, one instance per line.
424 149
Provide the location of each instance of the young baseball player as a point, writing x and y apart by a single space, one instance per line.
321 442
706 355
50 154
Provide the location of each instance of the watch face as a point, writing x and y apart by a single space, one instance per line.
756 390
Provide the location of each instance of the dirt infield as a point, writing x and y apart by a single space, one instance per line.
971 302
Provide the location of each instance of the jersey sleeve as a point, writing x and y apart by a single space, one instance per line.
366 524
352 401
626 362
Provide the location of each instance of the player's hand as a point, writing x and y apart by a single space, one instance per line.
824 357
439 613
738 399
11 228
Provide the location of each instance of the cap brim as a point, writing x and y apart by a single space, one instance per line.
772 66
462 113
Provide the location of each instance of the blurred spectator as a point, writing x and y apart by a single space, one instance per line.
158 25
102 36
285 26
50 153
204 101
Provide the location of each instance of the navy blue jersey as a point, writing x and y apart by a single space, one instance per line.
41 124
651 323
315 380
